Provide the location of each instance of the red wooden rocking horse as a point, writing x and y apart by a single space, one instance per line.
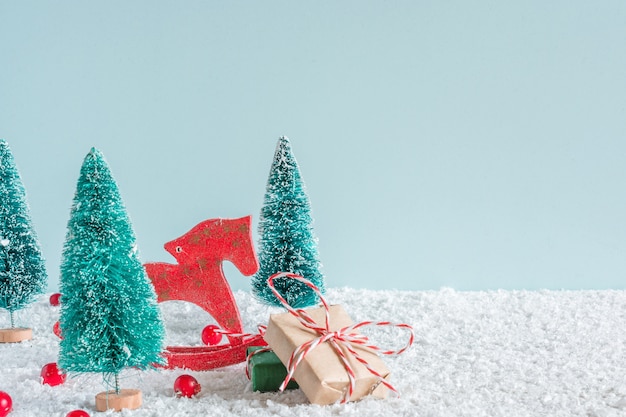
199 279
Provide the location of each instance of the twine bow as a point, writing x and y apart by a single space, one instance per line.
345 337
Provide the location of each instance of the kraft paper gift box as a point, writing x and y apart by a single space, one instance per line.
321 375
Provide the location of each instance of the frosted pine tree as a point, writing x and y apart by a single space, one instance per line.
22 268
109 316
287 241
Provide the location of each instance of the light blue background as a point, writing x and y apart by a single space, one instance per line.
474 145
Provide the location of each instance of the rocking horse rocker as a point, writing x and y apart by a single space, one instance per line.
198 278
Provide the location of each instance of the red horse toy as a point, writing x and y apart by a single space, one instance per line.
198 278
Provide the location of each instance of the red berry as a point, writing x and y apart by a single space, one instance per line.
186 386
77 413
56 329
6 404
51 375
55 299
210 336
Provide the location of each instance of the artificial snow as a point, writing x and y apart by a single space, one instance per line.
498 353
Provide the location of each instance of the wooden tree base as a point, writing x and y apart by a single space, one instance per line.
15 335
127 398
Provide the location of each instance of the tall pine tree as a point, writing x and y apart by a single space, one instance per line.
287 242
109 316
22 268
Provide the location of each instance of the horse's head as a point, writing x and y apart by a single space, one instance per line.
212 241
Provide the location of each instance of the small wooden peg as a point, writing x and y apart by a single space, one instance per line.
127 398
15 335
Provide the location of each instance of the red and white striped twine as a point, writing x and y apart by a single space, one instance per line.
345 337
242 336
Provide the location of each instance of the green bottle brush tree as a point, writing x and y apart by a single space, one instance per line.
22 268
287 241
110 320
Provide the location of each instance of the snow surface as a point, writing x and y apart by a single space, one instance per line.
499 353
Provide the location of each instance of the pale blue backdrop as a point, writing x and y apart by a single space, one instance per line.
472 145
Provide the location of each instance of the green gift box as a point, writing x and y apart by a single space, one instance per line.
266 371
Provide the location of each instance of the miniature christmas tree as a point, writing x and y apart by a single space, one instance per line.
22 269
287 242
109 315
